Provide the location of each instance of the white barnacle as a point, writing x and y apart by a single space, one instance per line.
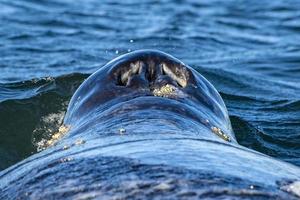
66 147
79 142
122 131
67 159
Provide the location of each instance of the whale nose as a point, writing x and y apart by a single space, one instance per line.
152 73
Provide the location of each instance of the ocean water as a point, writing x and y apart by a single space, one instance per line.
249 50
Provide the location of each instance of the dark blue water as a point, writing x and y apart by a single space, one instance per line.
249 50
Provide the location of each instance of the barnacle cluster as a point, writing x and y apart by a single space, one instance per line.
220 133
165 91
63 130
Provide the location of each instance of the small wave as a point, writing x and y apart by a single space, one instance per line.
31 112
272 144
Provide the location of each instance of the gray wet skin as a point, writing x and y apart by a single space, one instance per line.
146 125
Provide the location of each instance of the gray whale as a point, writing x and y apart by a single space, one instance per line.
147 126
